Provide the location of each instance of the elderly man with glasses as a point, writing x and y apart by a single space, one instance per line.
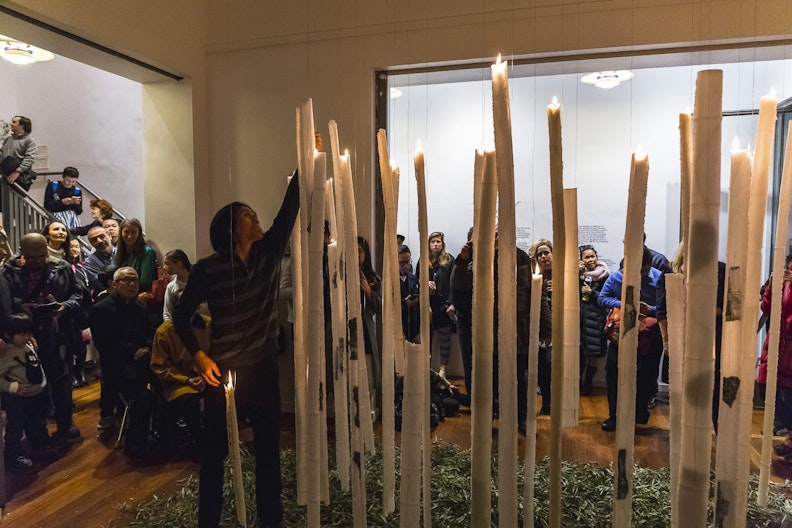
123 333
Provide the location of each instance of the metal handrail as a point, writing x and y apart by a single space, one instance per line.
23 214
84 187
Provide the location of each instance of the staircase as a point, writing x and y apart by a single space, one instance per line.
23 212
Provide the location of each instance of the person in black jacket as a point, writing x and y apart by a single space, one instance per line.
46 289
123 334
460 306
408 284
593 274
64 199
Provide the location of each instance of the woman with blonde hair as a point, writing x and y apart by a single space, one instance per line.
440 264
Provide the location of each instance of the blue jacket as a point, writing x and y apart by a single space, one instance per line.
652 292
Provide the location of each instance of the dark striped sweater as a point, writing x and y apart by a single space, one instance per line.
242 297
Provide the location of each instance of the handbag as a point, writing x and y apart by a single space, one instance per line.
646 327
9 165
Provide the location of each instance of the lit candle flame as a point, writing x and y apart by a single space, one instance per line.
499 59
688 110
639 153
230 383
536 269
735 144
418 147
554 104
346 152
772 93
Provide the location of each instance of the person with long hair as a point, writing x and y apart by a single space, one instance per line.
371 306
440 265
541 254
134 252
593 273
176 264
81 315
58 241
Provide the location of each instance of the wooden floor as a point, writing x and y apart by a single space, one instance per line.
85 486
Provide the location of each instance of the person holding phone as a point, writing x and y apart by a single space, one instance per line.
411 314
64 198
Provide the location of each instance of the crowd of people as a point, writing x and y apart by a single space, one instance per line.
160 352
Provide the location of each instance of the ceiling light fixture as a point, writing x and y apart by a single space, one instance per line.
20 53
607 79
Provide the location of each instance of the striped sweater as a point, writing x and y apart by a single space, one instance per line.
242 296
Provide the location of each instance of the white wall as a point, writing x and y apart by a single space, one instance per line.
600 130
86 118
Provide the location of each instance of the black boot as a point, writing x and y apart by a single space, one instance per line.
586 385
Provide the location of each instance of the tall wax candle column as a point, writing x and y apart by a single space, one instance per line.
507 299
335 257
571 350
756 217
412 419
732 449
392 337
366 419
399 350
355 350
426 337
675 301
702 286
316 339
530 426
628 340
484 200
305 151
685 160
233 449
774 339
335 213
559 258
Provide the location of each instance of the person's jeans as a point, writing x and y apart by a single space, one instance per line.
258 399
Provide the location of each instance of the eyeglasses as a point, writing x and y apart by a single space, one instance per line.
405 262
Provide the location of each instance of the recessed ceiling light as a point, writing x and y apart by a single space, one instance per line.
18 52
607 79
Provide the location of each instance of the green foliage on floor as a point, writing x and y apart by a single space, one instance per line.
586 500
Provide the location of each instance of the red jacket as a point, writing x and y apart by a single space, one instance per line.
785 345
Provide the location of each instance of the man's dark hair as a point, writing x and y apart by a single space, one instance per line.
221 230
71 172
404 249
27 126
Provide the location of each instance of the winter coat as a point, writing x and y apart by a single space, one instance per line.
785 344
592 314
59 285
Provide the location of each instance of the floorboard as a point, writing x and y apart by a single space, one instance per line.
88 483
